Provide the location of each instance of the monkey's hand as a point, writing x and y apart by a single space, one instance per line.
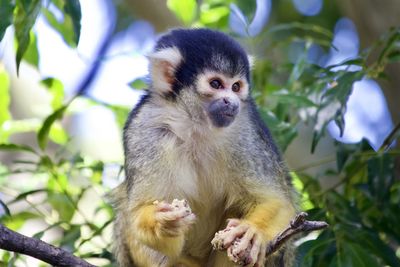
173 218
244 243
162 226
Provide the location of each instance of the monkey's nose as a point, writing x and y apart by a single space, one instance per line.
230 107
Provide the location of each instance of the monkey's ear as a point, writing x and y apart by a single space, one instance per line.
163 64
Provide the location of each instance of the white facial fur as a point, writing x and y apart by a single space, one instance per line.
204 88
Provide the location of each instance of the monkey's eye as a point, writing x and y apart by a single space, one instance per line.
216 84
236 87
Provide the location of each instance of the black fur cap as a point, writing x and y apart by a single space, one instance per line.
204 49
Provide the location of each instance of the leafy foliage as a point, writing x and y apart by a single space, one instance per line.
361 205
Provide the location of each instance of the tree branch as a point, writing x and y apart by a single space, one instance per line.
297 225
13 241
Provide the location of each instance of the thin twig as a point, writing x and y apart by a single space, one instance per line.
13 241
390 138
297 225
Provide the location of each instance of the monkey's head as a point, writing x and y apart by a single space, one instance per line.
204 68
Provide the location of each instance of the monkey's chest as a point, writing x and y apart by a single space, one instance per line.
209 220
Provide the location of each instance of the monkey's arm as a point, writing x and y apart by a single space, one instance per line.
161 226
271 216
246 239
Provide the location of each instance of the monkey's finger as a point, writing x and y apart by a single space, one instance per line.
174 214
189 219
163 206
236 232
253 255
232 223
261 255
242 246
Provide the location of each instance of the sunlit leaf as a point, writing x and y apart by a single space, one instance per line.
24 19
43 134
4 97
57 134
6 15
213 15
138 83
184 10
16 221
56 88
32 54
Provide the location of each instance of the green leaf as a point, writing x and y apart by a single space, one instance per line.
6 15
183 10
6 210
56 88
67 27
391 41
342 155
372 242
17 148
62 204
32 54
38 235
4 97
380 177
16 221
70 237
394 56
138 83
357 256
25 194
24 19
301 31
43 134
294 99
214 15
283 132
73 9
57 134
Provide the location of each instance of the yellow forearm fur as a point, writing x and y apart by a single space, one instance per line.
271 217
147 230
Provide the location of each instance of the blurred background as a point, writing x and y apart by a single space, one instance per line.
325 78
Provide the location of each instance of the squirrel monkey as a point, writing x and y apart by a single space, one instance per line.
199 161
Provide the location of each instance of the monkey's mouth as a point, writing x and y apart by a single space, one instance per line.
222 119
228 114
222 112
